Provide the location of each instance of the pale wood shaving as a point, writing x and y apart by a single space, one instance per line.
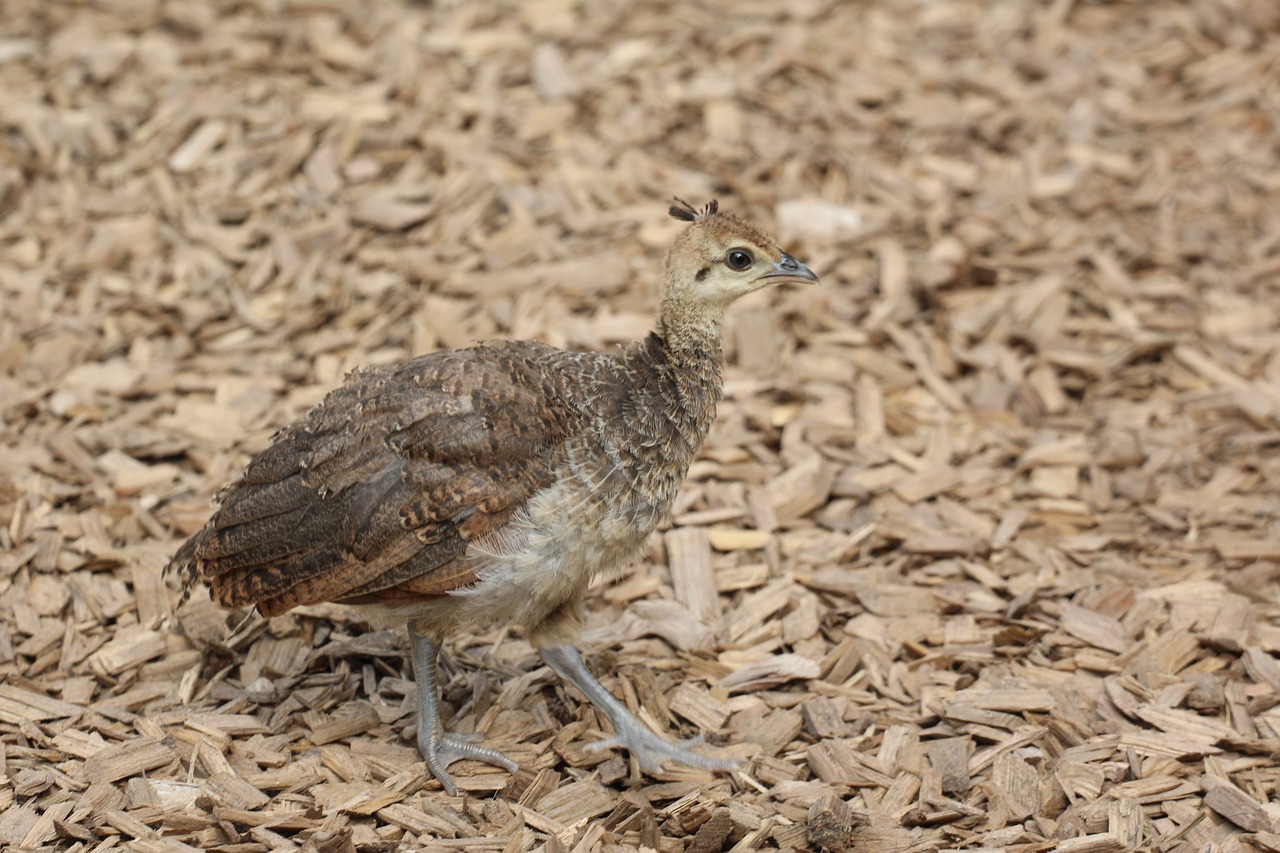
982 553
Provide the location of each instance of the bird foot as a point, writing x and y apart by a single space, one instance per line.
444 749
652 750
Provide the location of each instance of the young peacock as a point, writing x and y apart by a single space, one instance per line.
493 483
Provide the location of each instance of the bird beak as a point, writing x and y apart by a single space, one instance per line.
788 270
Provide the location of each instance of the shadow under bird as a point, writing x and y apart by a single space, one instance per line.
493 483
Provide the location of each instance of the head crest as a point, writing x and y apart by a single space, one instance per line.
687 212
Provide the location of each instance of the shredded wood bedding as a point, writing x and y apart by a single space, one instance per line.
982 553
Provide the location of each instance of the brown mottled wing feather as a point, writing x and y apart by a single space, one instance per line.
376 492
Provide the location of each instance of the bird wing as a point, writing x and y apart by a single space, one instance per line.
376 492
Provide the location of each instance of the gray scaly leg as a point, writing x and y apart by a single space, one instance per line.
649 748
437 747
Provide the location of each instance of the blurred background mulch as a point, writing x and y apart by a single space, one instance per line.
983 552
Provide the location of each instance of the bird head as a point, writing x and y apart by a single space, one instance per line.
719 258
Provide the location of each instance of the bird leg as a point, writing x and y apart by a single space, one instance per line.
439 748
650 749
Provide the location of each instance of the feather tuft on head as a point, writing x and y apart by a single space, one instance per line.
688 213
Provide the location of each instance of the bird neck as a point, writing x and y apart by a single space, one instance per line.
690 338
691 335
692 367
665 408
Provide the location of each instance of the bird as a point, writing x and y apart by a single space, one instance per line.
493 483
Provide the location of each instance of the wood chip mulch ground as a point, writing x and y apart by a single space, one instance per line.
983 553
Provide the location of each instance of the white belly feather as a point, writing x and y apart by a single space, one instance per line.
545 556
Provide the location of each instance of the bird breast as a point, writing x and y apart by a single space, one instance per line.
551 550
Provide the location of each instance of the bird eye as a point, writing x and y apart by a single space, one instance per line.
738 259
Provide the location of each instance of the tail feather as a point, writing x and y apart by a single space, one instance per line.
183 563
271 499
262 540
423 562
278 461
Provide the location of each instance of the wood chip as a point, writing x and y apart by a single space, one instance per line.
127 758
692 574
698 706
1237 806
127 651
770 672
982 547
829 823
732 539
17 705
356 718
1096 629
